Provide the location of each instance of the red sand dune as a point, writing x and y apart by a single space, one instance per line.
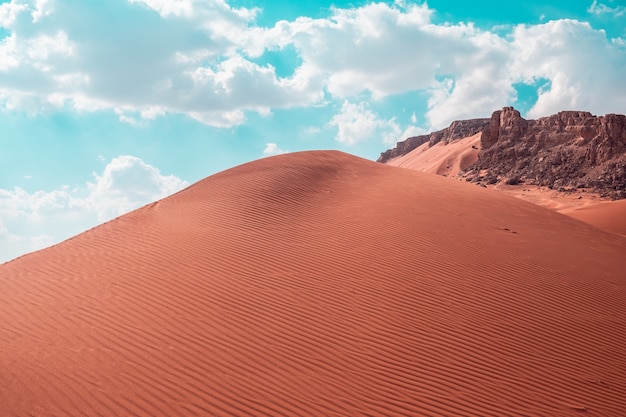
319 283
441 158
451 159
607 215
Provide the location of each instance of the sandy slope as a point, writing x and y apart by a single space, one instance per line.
561 201
450 159
607 215
441 159
319 283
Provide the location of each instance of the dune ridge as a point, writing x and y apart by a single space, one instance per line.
447 159
451 159
607 215
319 283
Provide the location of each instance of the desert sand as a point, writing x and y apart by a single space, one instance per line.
319 283
441 158
561 201
607 215
451 159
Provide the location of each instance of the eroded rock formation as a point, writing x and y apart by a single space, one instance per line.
571 149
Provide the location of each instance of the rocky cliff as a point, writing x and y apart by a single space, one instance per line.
571 149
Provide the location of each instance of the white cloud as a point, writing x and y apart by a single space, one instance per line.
42 48
31 221
352 48
197 57
600 8
582 65
127 183
238 83
14 245
9 13
185 58
410 132
8 58
42 9
467 72
471 95
272 149
219 119
357 123
483 85
169 7
216 16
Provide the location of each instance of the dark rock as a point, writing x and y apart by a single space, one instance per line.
568 150
571 149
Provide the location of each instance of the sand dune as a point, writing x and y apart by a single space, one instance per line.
451 159
441 158
319 283
559 201
607 215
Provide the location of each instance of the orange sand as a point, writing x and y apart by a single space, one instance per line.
319 283
441 159
561 201
449 160
607 215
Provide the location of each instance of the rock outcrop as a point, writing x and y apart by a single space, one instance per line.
571 149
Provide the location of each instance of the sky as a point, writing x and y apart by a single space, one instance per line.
108 105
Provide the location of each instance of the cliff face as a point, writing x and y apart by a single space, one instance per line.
568 149
571 149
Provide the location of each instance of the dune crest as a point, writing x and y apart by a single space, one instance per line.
606 215
446 159
319 283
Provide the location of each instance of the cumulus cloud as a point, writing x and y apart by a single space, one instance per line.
199 58
352 48
582 65
357 123
178 56
13 245
168 7
483 85
126 183
411 131
30 221
272 149
464 70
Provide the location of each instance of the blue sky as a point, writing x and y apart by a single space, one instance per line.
106 106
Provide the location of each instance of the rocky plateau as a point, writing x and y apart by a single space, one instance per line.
565 151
